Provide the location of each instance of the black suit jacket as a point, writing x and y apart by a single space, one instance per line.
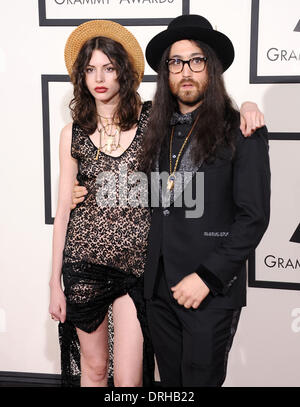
217 244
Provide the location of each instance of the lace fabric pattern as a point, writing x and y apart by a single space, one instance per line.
111 235
104 255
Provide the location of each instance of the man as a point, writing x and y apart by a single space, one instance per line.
195 276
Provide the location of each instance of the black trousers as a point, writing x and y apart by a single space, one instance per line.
191 345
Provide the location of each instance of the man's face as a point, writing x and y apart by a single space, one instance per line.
187 86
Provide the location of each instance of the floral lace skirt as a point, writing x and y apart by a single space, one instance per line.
90 289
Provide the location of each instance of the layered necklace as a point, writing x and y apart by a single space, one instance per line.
109 135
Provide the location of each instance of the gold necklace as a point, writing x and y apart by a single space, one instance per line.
103 117
172 176
112 140
101 147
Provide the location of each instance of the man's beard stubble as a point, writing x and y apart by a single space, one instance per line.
189 97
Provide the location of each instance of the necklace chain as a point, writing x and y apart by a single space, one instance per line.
171 178
103 117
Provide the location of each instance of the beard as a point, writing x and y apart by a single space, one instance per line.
189 97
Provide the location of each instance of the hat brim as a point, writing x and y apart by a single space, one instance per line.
218 41
104 28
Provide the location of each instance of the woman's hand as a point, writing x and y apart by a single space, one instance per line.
57 307
251 118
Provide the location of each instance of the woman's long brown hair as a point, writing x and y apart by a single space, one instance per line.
83 107
217 114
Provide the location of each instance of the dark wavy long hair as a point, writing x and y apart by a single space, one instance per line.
217 115
83 106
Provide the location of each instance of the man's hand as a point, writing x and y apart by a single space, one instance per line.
190 291
251 118
78 194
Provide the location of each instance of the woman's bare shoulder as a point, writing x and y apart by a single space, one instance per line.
66 133
67 129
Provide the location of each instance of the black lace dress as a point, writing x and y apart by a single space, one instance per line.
105 251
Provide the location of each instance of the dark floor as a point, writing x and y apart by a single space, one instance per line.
20 379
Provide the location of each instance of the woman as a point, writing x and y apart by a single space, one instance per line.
100 250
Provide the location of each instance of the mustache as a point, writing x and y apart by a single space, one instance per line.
183 81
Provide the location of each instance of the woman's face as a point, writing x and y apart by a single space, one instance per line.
101 78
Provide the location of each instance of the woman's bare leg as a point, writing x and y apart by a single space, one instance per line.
94 356
128 344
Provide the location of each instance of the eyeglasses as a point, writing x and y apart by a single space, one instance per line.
196 64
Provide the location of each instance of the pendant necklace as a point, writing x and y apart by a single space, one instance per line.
172 176
112 141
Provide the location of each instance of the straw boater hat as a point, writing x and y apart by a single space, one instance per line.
190 27
104 28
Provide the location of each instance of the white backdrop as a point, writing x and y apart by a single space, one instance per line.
266 349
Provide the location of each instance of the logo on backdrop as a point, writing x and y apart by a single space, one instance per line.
126 12
275 42
286 55
284 263
276 270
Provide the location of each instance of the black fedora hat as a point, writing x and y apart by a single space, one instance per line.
190 27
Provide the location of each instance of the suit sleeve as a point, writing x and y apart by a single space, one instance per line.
251 195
